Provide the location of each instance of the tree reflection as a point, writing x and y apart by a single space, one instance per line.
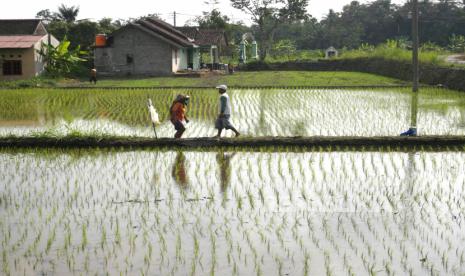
407 196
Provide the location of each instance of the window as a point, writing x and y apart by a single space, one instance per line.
129 59
12 67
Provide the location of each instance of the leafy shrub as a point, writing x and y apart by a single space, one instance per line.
431 47
395 50
285 48
457 43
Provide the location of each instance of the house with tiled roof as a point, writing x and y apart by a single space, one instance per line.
148 46
20 41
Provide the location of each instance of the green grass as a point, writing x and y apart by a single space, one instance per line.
392 53
256 79
396 50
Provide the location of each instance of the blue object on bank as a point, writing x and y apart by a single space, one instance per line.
411 132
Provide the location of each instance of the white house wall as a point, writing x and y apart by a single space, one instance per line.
38 59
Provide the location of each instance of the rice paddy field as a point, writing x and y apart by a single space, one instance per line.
255 112
269 212
235 211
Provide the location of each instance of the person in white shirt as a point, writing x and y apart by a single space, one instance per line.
224 112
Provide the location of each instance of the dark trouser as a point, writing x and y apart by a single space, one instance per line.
179 127
225 123
93 79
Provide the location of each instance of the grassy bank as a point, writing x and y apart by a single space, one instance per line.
257 79
252 79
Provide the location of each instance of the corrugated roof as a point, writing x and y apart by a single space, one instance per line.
19 26
19 41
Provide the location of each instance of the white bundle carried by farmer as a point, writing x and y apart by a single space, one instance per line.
153 116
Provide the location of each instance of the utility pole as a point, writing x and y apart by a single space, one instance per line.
415 40
174 16
416 69
416 72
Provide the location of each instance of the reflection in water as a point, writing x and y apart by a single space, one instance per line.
462 117
178 172
224 163
407 196
261 121
32 116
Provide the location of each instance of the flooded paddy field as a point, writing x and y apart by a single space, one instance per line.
269 212
275 112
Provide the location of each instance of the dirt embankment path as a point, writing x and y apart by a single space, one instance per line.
432 142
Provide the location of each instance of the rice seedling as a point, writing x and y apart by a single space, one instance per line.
334 112
308 212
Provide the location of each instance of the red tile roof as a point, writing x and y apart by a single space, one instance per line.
19 41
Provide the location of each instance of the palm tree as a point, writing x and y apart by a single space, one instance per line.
68 14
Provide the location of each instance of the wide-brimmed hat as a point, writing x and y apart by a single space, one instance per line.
222 87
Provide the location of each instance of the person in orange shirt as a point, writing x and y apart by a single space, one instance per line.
178 114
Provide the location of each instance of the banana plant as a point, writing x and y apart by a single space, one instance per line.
60 59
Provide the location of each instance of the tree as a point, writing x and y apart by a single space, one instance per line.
284 48
47 16
67 14
457 43
267 15
306 34
107 25
83 33
295 11
212 20
63 24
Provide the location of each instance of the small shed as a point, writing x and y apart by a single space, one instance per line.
331 52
